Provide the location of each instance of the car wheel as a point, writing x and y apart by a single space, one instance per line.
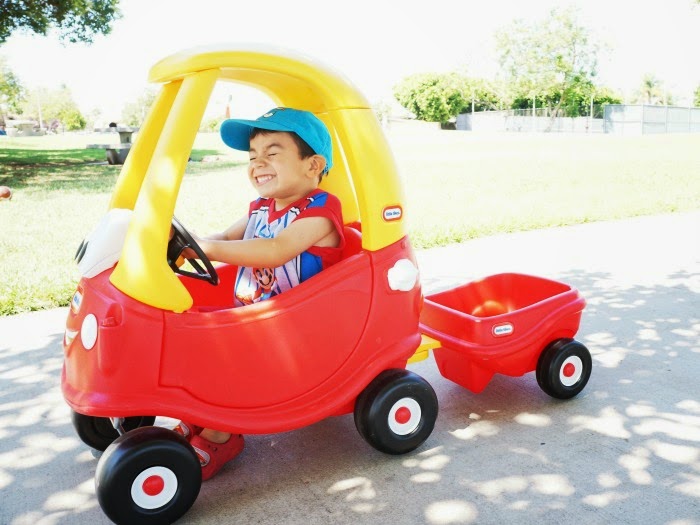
396 412
563 368
98 432
150 475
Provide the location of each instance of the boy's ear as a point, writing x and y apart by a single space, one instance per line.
318 163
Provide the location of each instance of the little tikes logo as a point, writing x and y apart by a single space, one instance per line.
75 301
392 213
502 329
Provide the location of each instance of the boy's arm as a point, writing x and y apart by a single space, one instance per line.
299 236
236 230
232 233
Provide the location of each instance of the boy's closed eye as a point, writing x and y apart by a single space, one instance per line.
268 155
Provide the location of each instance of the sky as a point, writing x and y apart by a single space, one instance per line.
374 43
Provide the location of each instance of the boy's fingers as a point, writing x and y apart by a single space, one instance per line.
189 253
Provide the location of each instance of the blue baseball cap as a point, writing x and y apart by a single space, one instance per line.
236 132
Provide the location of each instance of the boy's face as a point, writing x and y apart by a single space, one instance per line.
276 169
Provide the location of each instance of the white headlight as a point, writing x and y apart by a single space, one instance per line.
88 331
403 275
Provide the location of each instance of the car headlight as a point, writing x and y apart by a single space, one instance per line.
403 275
88 331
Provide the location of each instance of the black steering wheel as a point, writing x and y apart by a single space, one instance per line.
182 239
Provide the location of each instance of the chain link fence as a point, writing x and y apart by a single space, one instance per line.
635 119
539 120
608 118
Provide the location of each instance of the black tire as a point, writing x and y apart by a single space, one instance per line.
98 432
396 412
563 368
150 475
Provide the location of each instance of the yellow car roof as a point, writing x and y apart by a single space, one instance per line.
364 176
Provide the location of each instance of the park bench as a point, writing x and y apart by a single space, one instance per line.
23 128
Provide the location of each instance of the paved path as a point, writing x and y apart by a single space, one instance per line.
625 451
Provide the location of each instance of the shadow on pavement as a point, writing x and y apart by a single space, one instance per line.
626 450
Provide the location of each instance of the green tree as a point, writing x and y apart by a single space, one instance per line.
135 112
578 100
553 61
54 107
211 124
11 91
433 97
482 93
603 96
76 20
651 91
696 101
93 117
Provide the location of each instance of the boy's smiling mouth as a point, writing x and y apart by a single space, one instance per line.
262 179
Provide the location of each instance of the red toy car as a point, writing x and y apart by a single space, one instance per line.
146 337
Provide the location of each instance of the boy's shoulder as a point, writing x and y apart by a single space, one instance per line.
320 197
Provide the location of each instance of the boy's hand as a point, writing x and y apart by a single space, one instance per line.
189 253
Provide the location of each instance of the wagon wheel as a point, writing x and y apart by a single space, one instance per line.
563 368
98 432
396 412
182 239
148 476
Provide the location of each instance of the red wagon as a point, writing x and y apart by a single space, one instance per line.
509 324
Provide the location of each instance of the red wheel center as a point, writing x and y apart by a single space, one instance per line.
153 485
569 370
403 415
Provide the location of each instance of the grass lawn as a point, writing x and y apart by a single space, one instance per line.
458 186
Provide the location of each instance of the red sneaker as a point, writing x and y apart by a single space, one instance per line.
213 456
187 430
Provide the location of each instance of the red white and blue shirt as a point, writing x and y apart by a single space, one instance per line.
256 284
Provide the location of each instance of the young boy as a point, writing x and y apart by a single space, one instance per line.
292 231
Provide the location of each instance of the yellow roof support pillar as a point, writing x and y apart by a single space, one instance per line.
143 272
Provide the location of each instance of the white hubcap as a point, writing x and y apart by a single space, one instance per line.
571 371
404 416
154 487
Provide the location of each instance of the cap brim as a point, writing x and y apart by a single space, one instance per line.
236 132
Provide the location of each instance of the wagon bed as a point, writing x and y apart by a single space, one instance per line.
499 324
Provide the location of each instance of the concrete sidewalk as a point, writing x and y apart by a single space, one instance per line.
625 451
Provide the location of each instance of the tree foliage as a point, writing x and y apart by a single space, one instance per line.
651 91
553 60
578 101
433 97
11 90
483 94
54 108
76 20
135 112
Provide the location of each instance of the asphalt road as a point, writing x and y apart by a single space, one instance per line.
625 451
